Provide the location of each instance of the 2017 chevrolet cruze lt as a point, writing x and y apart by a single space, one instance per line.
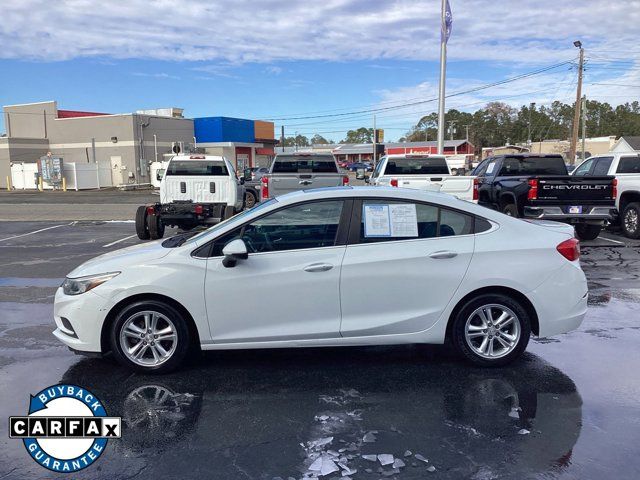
426 267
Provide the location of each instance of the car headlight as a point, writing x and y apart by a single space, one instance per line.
76 286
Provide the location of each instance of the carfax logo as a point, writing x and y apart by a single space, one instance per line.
67 428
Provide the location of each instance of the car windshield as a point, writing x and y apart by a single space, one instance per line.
417 166
304 164
533 166
235 219
197 167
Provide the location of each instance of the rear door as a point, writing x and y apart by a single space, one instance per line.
407 261
200 181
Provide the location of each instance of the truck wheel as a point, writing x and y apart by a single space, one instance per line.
588 232
249 200
229 211
141 223
631 220
156 227
511 210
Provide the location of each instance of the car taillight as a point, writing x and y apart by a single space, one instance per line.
614 188
570 249
533 189
475 189
345 180
394 182
151 210
198 209
264 191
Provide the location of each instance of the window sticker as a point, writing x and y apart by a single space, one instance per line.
395 220
377 222
490 167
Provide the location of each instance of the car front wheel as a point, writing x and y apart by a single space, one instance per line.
491 330
150 337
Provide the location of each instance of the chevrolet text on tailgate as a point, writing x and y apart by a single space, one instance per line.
539 187
300 171
423 172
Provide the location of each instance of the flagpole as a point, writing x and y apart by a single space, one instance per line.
443 72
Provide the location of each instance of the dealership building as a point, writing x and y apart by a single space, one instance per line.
122 146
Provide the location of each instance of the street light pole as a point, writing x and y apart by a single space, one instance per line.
576 116
584 124
443 73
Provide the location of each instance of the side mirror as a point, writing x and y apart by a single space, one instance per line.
242 180
367 179
159 174
233 251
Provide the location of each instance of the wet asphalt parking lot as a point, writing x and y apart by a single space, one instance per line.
569 409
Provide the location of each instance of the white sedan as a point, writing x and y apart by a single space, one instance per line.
331 267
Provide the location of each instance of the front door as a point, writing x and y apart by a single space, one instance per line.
410 260
116 171
288 287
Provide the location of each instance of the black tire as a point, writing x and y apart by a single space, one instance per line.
250 199
588 232
141 223
229 211
156 227
461 344
630 228
511 210
182 336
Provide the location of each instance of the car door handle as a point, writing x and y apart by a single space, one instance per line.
443 254
318 267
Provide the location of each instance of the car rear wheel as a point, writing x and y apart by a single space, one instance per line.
511 210
588 232
250 200
141 223
150 336
156 227
631 220
491 330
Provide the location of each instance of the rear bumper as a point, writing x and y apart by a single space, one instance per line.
561 301
594 214
180 212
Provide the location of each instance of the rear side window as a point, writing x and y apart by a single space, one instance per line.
517 166
302 164
432 221
417 166
197 167
602 166
629 165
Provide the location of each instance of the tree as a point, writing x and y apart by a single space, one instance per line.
319 140
299 140
361 135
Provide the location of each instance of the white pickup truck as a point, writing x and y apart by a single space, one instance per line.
194 190
625 166
423 172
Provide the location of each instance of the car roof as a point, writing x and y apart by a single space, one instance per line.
196 156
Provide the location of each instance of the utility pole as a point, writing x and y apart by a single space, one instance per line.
584 123
466 137
532 105
576 117
282 137
445 30
375 138
452 130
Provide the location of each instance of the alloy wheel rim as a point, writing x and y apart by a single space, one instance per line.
251 201
631 220
492 331
148 338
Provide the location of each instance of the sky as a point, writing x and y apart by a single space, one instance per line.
335 60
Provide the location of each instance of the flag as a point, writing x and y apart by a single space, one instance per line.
446 26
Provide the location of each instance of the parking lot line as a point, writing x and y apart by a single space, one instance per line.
31 233
612 240
118 241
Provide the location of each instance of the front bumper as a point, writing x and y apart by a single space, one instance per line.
561 301
592 215
79 320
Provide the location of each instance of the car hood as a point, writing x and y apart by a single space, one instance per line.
118 259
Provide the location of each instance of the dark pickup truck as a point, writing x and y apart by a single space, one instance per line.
539 187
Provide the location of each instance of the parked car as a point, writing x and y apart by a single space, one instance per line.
252 185
626 168
355 166
195 190
343 164
538 186
297 171
423 172
255 173
439 267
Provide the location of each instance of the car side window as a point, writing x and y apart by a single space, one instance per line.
480 169
302 226
602 166
629 164
510 167
432 221
584 168
491 169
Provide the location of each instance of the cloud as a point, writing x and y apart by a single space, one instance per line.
156 75
273 70
242 31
